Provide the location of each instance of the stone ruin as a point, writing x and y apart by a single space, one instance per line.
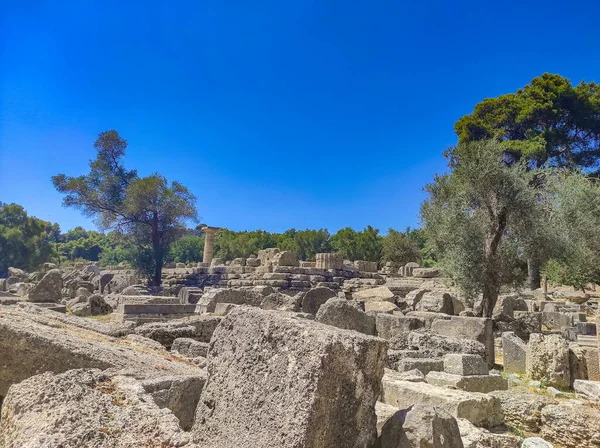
270 351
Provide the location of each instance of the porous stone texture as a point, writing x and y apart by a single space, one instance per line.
522 409
590 390
474 437
378 294
436 302
424 365
548 359
190 347
48 289
374 306
480 409
536 442
472 383
430 426
571 425
200 328
461 364
514 353
313 299
86 408
392 325
342 313
94 305
277 380
473 328
389 426
437 345
286 258
425 272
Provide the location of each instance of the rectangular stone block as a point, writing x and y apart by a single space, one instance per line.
425 365
480 409
586 328
473 383
390 325
152 308
514 353
282 381
460 364
474 328
592 363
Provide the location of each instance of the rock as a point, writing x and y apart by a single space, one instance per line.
374 306
536 442
209 300
94 305
522 409
22 289
378 294
282 302
574 296
414 375
17 273
473 328
425 272
190 347
424 365
571 425
83 292
480 409
553 391
507 305
430 426
436 302
200 328
314 298
343 314
277 381
548 359
389 426
144 342
286 258
48 289
461 364
474 437
85 408
391 325
472 383
441 345
514 353
413 298
590 390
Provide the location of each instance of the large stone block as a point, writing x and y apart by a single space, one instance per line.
48 289
313 299
473 328
522 409
548 359
437 302
480 409
571 425
378 294
471 383
514 353
391 325
464 364
344 314
276 380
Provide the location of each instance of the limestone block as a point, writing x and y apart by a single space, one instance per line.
464 364
522 409
571 425
379 294
548 359
436 302
424 365
589 390
373 306
286 258
313 299
329 261
592 363
474 437
277 381
48 289
341 313
480 409
425 272
430 426
389 425
390 325
536 442
472 383
514 353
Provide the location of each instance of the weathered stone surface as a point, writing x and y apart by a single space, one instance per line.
479 409
465 364
590 390
571 425
86 408
200 328
425 272
282 302
342 313
472 383
17 273
208 301
436 345
48 289
592 363
536 442
522 409
430 426
313 299
144 342
436 302
548 359
473 328
374 306
286 258
190 347
378 294
94 305
391 325
507 305
514 353
276 381
424 365
572 296
413 298
474 437
389 426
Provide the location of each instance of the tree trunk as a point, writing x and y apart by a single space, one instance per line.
156 253
491 275
533 273
491 291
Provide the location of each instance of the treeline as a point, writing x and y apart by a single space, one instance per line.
26 242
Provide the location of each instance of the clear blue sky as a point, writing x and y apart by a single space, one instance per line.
276 114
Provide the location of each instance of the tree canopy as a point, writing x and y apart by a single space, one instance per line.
549 122
149 209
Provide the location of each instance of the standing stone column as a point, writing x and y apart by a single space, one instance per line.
209 243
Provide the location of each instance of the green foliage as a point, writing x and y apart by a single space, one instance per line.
576 222
305 243
187 249
25 242
548 122
230 244
364 245
80 244
476 216
400 249
149 209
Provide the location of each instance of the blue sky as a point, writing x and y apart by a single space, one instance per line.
303 114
